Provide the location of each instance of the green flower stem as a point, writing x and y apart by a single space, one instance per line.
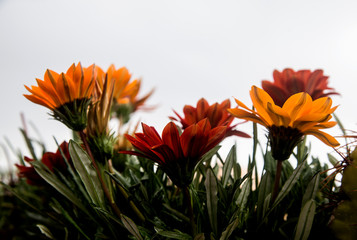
187 196
277 181
105 189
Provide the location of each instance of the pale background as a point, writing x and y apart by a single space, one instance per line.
184 49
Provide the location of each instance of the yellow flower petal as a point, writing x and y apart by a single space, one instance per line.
324 137
260 99
247 116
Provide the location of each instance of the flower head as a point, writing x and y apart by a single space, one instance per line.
177 155
66 94
125 92
216 114
288 82
99 139
287 125
51 160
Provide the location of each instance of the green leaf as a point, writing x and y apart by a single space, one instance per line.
311 189
229 229
332 159
265 188
228 165
208 155
243 195
45 231
237 170
288 185
68 217
52 179
87 173
340 125
29 144
212 198
200 236
173 235
266 204
131 226
305 221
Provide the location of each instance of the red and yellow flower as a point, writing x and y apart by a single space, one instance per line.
66 94
288 82
177 154
300 115
216 114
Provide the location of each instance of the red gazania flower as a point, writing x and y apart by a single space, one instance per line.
288 82
177 155
51 160
216 114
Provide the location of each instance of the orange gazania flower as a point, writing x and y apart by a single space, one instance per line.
66 94
216 114
177 155
287 125
288 82
125 92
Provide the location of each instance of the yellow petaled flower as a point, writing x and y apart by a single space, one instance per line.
66 94
287 125
125 92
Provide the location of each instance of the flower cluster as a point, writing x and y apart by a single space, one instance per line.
69 94
176 183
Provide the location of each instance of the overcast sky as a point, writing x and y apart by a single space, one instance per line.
184 49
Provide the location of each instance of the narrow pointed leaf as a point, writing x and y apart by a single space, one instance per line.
288 185
45 231
131 226
69 218
243 195
311 189
52 179
212 198
176 234
88 175
305 221
229 230
228 165
265 188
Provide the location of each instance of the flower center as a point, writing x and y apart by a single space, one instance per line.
283 140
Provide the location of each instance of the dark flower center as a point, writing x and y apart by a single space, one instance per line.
283 140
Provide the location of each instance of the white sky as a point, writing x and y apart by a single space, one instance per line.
184 49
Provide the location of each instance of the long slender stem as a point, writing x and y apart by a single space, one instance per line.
187 197
277 180
105 189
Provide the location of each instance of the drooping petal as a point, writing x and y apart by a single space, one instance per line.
324 137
